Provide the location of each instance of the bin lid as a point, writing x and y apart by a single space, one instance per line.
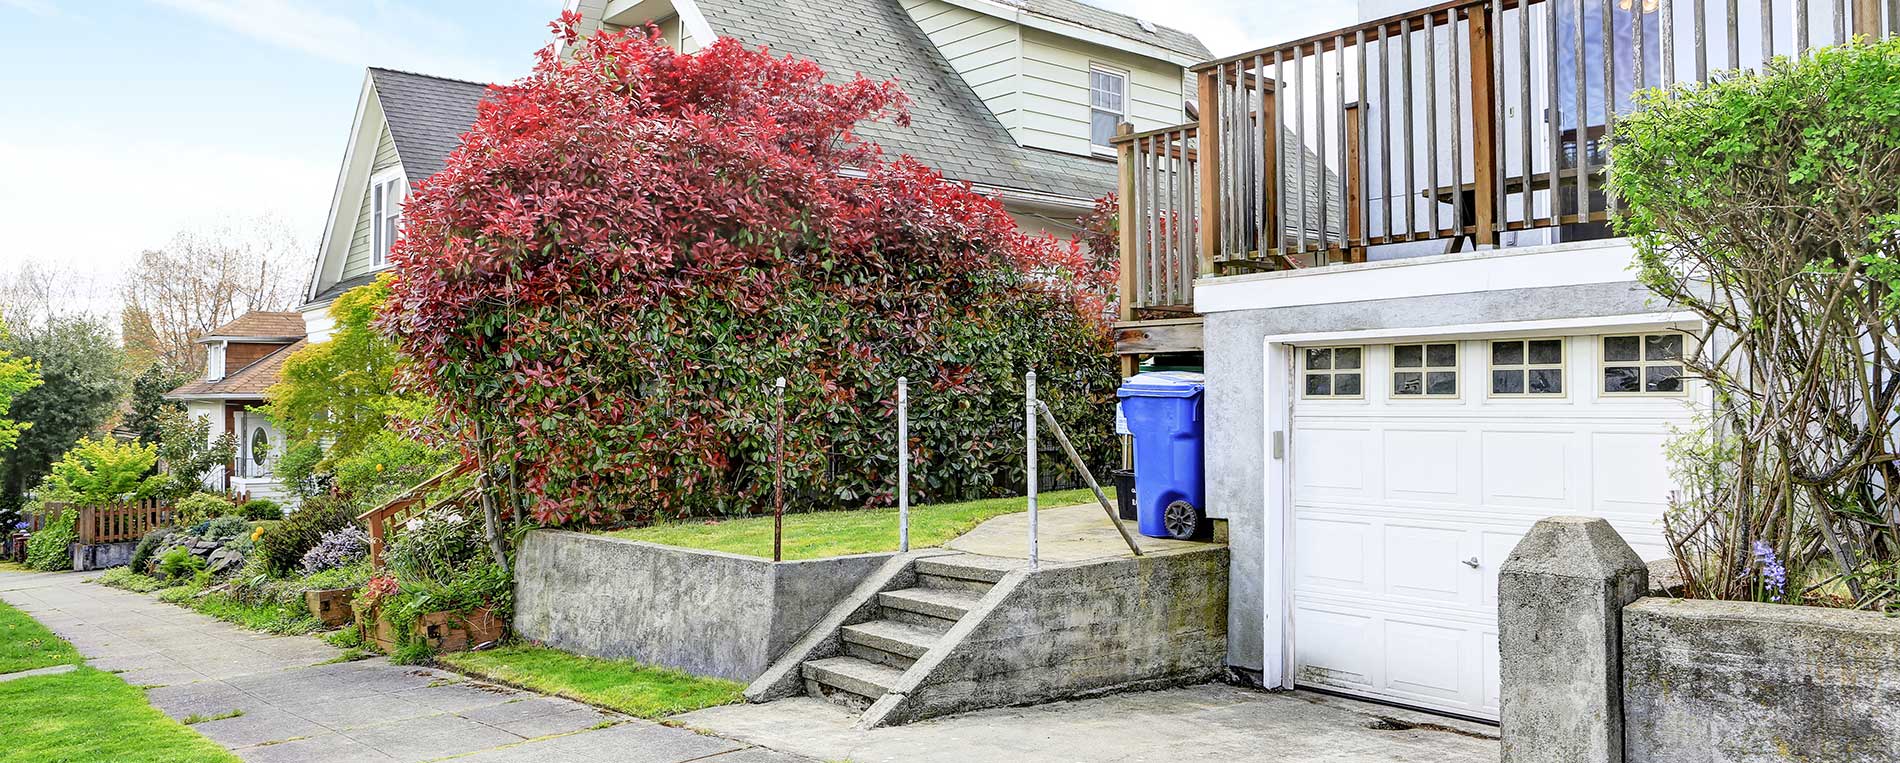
1163 384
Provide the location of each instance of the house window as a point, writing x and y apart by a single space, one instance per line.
1527 367
1108 104
260 450
1332 372
1643 364
386 195
214 361
1425 370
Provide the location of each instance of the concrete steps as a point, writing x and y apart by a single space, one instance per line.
906 625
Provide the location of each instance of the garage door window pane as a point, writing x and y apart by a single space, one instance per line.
1331 371
1425 370
1441 383
1408 383
1644 364
1408 356
1441 355
1527 367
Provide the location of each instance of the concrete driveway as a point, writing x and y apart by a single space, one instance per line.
1212 723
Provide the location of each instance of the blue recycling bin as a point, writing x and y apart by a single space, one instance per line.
1164 413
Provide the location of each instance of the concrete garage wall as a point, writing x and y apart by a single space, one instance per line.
1074 630
704 612
1726 682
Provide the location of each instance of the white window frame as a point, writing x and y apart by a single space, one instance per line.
1125 76
214 360
380 186
1642 364
1332 372
1457 369
1562 367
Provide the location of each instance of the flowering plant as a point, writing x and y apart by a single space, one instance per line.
336 548
434 545
1773 582
377 589
631 244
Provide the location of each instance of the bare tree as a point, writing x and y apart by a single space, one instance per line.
36 292
207 276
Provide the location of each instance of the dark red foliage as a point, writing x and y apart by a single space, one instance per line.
631 243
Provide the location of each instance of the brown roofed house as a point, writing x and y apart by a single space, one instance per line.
243 358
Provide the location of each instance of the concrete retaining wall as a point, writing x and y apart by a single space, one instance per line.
98 556
1073 630
704 612
1722 682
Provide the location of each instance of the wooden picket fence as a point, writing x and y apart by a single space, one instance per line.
119 522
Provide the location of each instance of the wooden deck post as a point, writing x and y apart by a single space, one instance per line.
1125 227
1867 19
1270 232
1484 154
1355 188
1208 154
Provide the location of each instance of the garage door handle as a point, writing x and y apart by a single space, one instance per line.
1472 562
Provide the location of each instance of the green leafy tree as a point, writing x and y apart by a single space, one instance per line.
103 470
17 376
80 366
149 403
187 450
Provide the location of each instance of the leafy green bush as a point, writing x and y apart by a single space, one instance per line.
385 464
199 507
50 547
434 547
224 528
103 470
179 564
261 509
130 580
188 450
142 553
283 544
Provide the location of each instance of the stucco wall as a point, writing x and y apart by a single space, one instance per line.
1073 630
1236 387
703 612
1726 682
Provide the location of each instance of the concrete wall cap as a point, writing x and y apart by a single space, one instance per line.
1572 547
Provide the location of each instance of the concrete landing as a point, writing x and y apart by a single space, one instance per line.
1067 534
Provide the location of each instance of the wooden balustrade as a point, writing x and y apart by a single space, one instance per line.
120 522
383 519
1459 122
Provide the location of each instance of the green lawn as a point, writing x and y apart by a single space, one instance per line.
25 644
639 690
820 534
86 715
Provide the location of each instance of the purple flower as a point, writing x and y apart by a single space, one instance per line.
1774 576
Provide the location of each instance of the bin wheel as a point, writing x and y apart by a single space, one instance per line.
1182 520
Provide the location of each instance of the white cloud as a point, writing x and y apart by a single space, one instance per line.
42 8
1238 26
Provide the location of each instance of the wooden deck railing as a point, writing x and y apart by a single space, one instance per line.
117 523
1458 122
383 519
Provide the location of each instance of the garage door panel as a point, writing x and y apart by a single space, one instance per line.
1528 469
1488 661
1422 562
1627 473
1332 461
1495 547
1341 555
1426 659
1423 464
1336 647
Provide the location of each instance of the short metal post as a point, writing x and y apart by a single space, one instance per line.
778 478
1029 422
903 464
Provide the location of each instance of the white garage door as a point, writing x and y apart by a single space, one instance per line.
1417 467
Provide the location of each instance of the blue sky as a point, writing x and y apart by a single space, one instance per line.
125 121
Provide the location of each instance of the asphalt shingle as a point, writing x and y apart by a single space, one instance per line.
427 116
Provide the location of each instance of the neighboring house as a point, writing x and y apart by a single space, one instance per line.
1466 349
243 359
404 128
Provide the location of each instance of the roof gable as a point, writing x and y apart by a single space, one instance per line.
426 116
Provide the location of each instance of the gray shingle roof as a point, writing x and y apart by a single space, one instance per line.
1117 24
427 116
951 129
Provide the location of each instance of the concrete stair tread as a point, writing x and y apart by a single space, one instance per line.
946 603
862 677
905 639
988 569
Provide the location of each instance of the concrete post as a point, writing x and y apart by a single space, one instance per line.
1560 614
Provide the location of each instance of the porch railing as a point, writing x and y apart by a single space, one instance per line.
1459 122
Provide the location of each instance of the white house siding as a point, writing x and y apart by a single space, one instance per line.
356 262
986 51
318 324
1055 91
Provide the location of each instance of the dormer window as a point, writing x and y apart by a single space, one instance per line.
1108 104
386 195
214 361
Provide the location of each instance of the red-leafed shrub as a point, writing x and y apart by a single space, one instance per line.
632 243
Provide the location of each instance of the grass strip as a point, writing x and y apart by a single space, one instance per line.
821 534
25 644
639 690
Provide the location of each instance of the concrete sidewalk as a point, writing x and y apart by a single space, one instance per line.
299 707
1211 723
